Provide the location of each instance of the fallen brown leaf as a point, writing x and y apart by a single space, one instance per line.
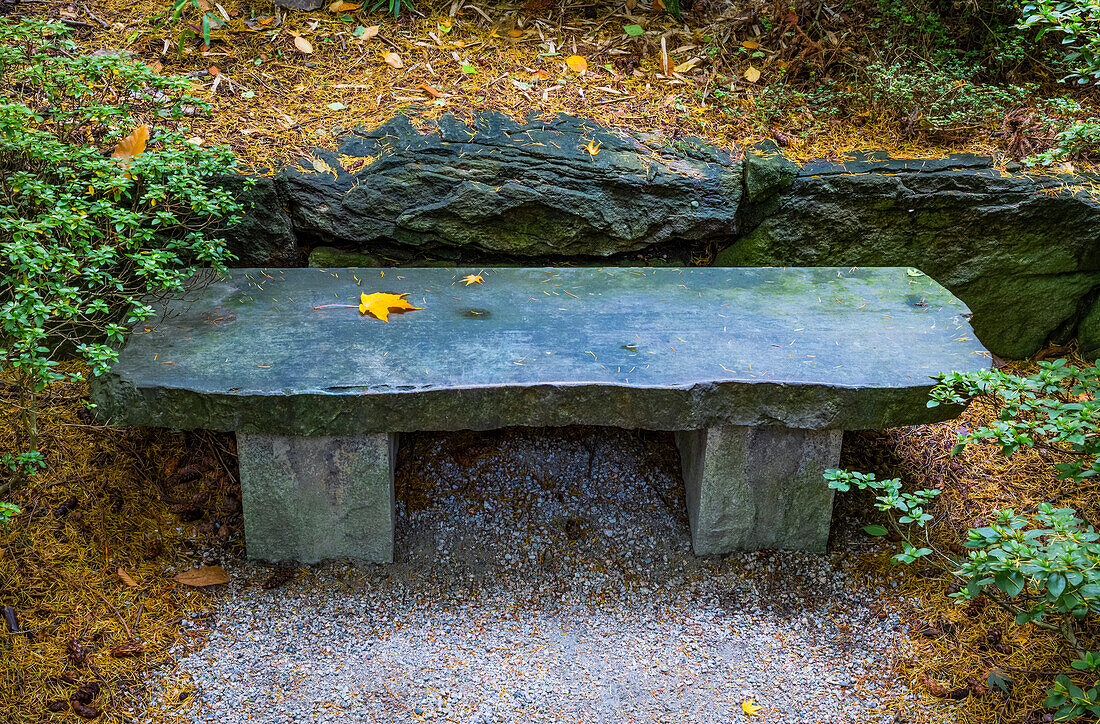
133 144
202 576
128 649
666 62
302 44
126 578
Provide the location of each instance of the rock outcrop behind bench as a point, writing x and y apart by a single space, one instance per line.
555 188
1022 251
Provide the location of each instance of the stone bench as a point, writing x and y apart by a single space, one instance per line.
757 370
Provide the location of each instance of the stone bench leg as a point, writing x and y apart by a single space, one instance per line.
310 498
750 488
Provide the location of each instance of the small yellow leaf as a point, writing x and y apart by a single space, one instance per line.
302 44
752 74
133 144
203 576
685 67
380 304
540 75
473 279
577 64
125 577
430 90
593 148
750 708
515 33
393 60
344 7
370 32
750 44
658 5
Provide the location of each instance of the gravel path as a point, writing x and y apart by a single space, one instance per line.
543 576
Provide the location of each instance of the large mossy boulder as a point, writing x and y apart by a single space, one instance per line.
555 189
1023 252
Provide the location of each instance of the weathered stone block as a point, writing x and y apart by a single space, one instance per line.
758 487
265 235
311 498
661 349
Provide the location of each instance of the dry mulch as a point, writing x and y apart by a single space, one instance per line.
282 82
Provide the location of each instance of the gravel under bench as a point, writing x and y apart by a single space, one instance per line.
544 575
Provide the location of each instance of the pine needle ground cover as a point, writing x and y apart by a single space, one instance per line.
87 568
971 652
282 81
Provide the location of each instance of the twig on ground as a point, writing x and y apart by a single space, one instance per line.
102 23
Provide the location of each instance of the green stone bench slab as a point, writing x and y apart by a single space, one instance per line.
759 370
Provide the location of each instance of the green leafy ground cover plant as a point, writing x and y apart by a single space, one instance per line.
1077 23
1044 566
88 240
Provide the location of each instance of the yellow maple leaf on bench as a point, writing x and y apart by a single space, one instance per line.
380 304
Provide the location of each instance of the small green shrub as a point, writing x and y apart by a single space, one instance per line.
86 240
1078 139
208 20
1045 568
935 99
1078 24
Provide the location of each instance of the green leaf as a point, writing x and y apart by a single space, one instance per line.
875 530
633 30
997 679
469 70
248 94
337 106
1056 583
